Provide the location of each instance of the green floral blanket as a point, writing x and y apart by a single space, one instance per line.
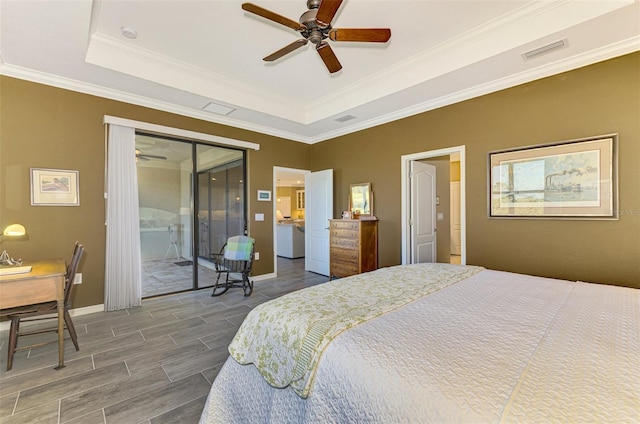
284 338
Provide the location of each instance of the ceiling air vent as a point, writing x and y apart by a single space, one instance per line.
345 118
217 108
545 49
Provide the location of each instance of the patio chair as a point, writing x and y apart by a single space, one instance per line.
235 257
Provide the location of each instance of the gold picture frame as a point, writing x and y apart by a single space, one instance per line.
573 179
361 199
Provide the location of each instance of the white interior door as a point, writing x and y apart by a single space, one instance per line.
318 212
422 218
456 238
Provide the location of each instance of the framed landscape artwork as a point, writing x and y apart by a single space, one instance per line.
54 187
573 179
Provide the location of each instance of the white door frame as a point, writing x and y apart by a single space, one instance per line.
276 170
406 197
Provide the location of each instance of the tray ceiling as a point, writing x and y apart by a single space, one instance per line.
204 58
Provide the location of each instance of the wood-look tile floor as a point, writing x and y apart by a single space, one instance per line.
151 364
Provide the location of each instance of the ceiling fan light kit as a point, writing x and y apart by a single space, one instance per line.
315 26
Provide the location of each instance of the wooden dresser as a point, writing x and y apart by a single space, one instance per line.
353 246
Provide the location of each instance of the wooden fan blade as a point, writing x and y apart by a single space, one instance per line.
327 11
257 10
372 35
286 49
146 157
328 57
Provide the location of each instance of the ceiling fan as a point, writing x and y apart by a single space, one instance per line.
142 156
315 26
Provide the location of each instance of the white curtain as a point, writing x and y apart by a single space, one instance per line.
123 273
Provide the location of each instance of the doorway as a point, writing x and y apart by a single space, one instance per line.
409 198
289 217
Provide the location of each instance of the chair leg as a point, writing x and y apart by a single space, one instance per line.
13 341
71 328
218 288
247 285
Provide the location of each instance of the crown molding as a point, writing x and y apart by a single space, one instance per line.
517 28
108 93
608 52
621 48
120 56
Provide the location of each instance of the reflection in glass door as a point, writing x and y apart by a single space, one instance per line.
221 202
170 247
164 193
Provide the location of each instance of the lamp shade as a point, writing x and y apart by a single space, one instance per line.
279 214
15 230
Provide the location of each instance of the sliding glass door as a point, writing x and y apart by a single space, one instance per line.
220 202
175 242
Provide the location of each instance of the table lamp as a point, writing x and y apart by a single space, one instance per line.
14 231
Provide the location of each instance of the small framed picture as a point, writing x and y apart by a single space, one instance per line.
264 195
54 187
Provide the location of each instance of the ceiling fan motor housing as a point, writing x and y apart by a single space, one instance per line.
313 4
312 31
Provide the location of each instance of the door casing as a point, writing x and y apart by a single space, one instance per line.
422 229
276 170
405 168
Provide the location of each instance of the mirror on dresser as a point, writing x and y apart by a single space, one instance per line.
361 199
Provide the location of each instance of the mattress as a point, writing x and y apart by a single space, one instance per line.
494 347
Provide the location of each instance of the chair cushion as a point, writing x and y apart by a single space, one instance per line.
239 248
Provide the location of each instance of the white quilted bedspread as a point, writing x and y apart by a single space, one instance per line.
285 338
496 347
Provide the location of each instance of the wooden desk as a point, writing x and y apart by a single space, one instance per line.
44 283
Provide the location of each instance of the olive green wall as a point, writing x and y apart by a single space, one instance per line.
455 171
48 127
599 99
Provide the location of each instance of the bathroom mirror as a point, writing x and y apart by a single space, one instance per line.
361 199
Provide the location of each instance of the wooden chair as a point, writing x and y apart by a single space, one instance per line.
235 257
29 313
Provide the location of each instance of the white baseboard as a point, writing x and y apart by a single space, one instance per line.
263 277
86 310
4 325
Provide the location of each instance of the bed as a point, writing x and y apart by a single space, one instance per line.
435 343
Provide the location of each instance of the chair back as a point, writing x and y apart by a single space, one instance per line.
75 250
70 276
239 248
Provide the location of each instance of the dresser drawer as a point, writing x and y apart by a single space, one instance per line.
347 256
343 270
345 225
344 233
345 243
